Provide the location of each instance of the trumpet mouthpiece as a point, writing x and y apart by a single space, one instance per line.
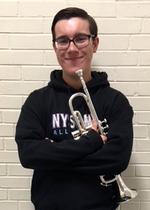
79 72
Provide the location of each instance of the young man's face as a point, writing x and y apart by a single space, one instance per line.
73 58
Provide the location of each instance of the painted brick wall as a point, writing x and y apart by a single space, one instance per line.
27 57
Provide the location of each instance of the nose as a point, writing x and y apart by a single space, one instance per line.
72 46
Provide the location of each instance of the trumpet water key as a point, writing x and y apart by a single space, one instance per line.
126 194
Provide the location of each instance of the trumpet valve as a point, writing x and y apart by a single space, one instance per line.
104 126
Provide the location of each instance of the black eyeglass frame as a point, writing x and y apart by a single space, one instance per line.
55 41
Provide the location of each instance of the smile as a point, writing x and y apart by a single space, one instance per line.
74 58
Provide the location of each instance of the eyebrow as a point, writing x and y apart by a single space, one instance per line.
77 34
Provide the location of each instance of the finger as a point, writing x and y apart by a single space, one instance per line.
94 125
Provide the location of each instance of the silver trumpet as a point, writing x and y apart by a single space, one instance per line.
126 194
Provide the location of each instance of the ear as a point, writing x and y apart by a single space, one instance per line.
95 44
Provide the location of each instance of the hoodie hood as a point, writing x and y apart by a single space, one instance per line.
99 79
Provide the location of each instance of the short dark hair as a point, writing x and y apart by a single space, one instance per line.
71 12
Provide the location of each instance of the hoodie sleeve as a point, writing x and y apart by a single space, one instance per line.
114 156
36 152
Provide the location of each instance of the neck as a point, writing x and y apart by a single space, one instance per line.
74 80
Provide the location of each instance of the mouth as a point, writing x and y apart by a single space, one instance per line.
74 58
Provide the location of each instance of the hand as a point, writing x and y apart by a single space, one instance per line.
104 138
95 127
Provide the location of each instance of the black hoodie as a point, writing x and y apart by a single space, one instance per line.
66 171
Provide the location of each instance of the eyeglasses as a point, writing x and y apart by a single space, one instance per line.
80 41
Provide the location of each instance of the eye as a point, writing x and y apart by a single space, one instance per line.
62 40
81 38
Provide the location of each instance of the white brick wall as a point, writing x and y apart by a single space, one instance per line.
26 59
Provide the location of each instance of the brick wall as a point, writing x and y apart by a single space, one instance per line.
27 57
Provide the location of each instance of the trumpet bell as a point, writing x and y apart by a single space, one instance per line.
127 195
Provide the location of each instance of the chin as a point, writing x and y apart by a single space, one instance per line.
72 70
